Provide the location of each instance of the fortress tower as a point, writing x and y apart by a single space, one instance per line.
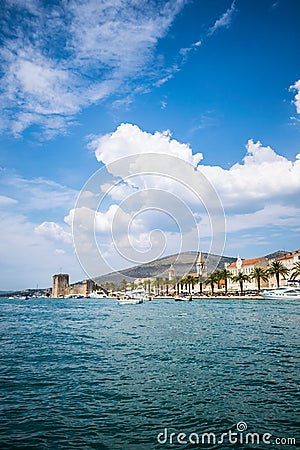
60 285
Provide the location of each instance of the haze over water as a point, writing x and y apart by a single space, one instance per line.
91 374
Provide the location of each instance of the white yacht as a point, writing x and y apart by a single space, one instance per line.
129 301
97 294
179 298
284 292
133 297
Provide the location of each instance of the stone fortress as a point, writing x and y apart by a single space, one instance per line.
61 286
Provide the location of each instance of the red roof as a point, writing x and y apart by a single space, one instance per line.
288 256
246 262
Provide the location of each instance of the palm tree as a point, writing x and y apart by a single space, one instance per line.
296 271
190 280
184 283
166 283
226 275
259 274
219 277
175 283
124 284
146 285
241 278
156 285
201 280
211 280
277 268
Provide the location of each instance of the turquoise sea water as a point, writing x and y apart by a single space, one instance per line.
90 374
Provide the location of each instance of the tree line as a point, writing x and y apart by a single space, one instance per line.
276 269
187 283
163 285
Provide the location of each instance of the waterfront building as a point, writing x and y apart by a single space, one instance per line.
288 260
246 266
143 283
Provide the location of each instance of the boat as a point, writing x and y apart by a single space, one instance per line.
129 301
138 293
74 296
133 297
282 293
98 294
178 298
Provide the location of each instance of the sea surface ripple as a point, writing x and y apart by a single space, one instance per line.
91 374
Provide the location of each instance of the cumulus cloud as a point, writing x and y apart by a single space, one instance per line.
296 87
263 177
53 230
130 217
224 21
31 255
262 190
129 140
31 230
59 58
114 149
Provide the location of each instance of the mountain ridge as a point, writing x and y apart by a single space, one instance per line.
183 263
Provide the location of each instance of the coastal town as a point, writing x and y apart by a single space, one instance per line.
242 277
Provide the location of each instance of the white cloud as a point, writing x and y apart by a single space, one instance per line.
262 191
224 21
54 231
29 258
273 215
184 51
29 238
129 140
61 58
37 194
59 251
263 177
296 87
6 201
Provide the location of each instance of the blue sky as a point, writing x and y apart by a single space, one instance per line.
221 76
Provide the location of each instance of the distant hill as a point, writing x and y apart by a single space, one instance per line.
277 254
183 263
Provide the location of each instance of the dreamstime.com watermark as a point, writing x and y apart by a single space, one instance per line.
232 437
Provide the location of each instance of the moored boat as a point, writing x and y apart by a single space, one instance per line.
133 297
178 298
98 294
282 293
129 301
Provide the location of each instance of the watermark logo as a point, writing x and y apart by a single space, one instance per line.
143 207
241 426
239 436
